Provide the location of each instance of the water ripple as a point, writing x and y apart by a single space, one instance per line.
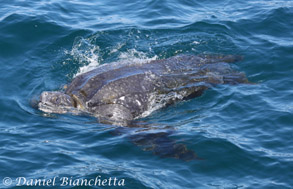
241 134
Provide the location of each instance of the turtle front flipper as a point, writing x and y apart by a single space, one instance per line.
235 78
158 142
156 139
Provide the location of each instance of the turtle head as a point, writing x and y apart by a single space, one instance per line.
55 102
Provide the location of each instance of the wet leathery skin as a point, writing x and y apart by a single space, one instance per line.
119 92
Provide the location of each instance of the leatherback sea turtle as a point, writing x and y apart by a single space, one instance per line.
118 93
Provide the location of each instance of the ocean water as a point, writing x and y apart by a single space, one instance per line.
242 134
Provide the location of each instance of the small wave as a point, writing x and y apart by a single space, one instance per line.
85 53
136 57
90 55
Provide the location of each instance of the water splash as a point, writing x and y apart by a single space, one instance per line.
135 57
90 56
86 53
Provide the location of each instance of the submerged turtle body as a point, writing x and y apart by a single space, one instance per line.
120 92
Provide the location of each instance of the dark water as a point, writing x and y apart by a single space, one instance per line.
242 134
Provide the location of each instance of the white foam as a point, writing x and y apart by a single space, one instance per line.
135 57
86 54
89 55
93 63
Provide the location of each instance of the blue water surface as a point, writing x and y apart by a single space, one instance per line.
242 134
